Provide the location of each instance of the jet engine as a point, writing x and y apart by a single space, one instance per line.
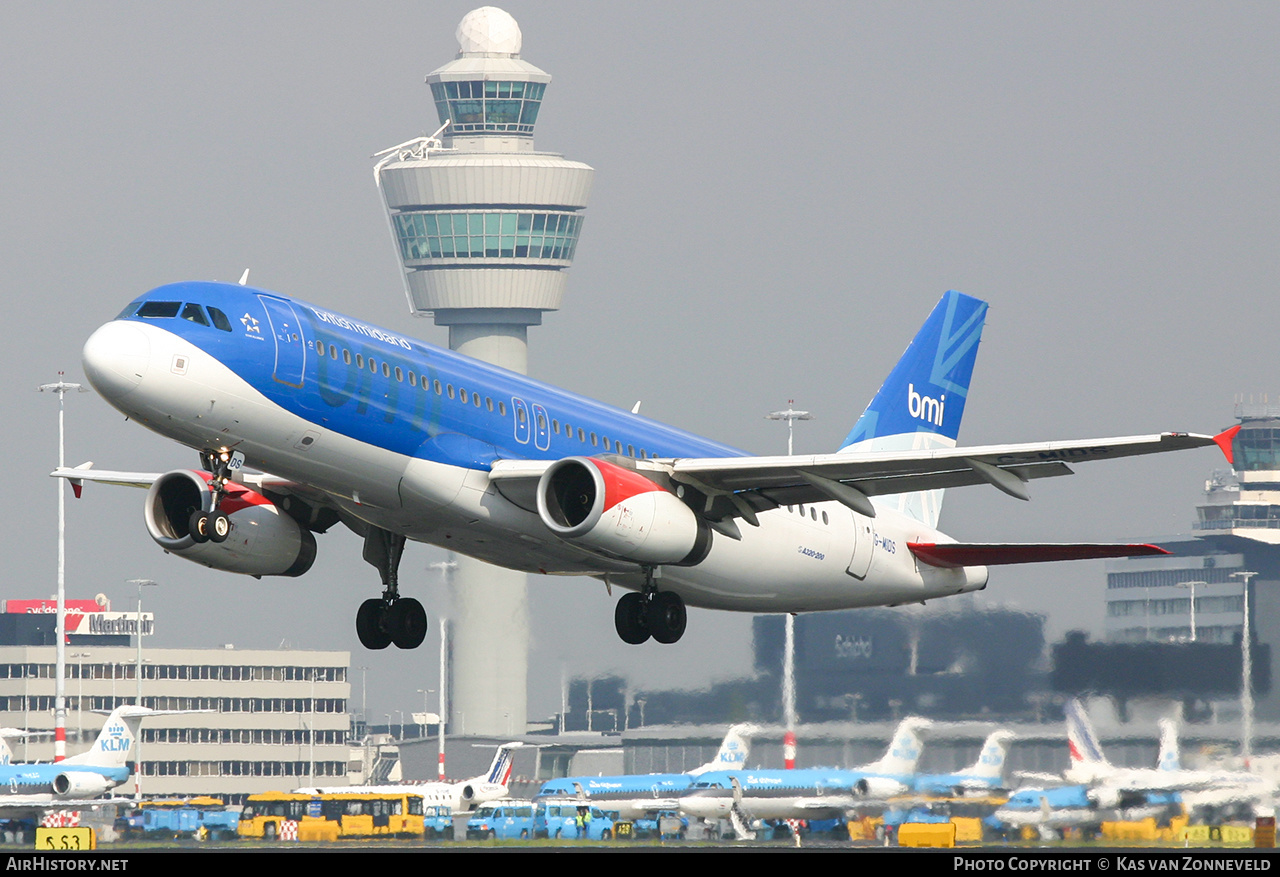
619 512
879 787
264 540
80 784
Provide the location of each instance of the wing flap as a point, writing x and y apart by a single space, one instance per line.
957 554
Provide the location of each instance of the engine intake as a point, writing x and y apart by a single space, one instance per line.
264 541
619 512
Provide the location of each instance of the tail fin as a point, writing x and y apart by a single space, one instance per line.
115 740
904 749
922 401
1169 758
500 770
733 751
1086 752
990 763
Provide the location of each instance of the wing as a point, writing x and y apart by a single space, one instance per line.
957 554
741 486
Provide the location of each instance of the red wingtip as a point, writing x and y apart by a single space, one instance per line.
1223 440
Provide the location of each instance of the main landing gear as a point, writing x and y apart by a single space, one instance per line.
391 619
214 525
650 613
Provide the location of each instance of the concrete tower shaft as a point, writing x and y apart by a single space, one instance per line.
485 228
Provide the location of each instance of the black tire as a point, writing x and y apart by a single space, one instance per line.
667 617
269 831
371 625
630 619
198 527
606 835
219 526
407 623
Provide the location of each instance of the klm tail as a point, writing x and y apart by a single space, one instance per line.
1169 758
922 401
990 763
115 740
904 749
733 751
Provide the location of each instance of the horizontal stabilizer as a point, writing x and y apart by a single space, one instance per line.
954 554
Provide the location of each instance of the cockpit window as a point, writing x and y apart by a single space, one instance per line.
159 309
220 319
195 314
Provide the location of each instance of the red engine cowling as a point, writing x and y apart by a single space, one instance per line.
620 512
264 540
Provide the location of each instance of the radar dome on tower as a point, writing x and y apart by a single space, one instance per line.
488 31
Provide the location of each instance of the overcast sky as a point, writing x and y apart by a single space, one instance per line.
782 193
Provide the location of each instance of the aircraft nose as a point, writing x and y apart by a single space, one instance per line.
115 358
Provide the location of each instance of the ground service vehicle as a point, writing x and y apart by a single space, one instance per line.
501 820
332 816
552 818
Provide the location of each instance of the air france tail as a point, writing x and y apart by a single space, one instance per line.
904 749
733 751
1087 760
920 405
500 770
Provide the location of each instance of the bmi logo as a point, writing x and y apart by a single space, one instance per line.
925 408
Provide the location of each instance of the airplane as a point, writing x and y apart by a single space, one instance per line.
7 734
401 440
984 775
635 796
458 797
80 778
811 793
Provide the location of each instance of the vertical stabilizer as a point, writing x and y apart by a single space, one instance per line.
500 769
920 404
1087 760
733 751
990 763
904 749
1169 758
115 740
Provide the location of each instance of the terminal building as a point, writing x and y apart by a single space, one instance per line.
262 720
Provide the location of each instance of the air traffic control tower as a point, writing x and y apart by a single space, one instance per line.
485 228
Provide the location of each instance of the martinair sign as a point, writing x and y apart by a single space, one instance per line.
86 617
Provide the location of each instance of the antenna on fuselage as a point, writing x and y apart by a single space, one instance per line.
244 278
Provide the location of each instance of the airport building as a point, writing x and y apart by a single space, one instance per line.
262 720
1232 554
485 229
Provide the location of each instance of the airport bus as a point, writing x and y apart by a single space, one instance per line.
273 815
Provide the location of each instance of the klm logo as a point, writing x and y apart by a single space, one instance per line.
925 408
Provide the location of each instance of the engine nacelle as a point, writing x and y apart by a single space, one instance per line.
879 787
620 512
264 540
80 784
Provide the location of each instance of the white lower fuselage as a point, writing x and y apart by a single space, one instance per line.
815 557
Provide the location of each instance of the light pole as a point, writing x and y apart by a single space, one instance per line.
1192 586
62 388
1246 683
446 568
137 744
789 651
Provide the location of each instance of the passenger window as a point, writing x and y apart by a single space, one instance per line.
359 360
373 365
595 441
475 399
413 379
220 320
488 403
449 390
346 356
399 374
502 408
462 394
437 387
520 415
582 437
386 370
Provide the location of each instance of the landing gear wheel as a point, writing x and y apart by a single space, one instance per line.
219 526
630 619
198 527
371 625
667 617
407 623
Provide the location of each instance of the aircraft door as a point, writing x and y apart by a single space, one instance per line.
521 412
863 545
291 347
541 428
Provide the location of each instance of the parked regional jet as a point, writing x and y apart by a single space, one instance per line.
635 796
458 797
81 777
984 775
401 440
812 793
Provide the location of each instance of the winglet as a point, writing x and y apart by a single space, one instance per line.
1224 439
